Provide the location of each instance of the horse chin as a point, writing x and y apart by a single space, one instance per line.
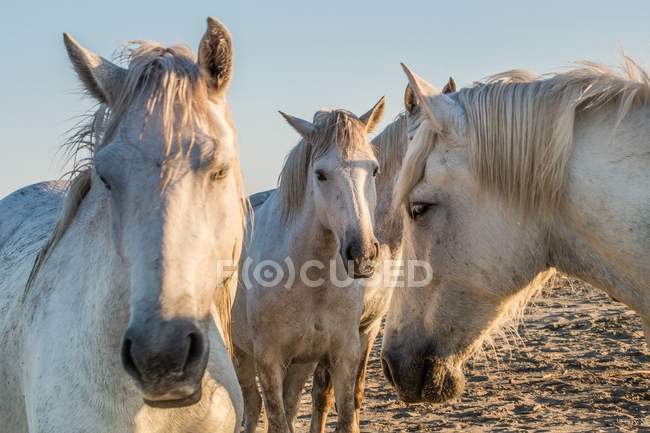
172 401
442 382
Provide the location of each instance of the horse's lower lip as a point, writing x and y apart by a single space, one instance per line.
363 274
174 403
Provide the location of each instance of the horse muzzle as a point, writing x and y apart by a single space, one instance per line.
360 262
423 379
167 362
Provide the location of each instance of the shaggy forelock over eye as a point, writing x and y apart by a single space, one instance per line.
171 81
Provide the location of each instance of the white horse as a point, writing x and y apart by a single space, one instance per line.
390 146
503 183
318 225
113 314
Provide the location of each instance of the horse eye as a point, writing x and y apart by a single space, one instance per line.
320 175
218 174
105 182
375 172
419 209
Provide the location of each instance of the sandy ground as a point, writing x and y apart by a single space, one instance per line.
580 365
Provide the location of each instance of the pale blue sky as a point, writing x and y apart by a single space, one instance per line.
297 56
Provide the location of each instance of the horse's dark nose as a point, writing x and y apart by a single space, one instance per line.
422 378
362 256
406 379
167 360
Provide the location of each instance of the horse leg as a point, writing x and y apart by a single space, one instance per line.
271 375
367 339
646 331
294 382
245 367
343 372
322 397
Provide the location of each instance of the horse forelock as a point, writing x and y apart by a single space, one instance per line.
520 132
338 129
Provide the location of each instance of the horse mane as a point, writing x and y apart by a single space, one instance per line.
333 128
172 85
520 134
511 76
224 298
390 146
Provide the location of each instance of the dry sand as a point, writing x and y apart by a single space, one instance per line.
580 365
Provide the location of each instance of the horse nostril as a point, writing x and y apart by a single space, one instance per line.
376 253
195 352
127 359
348 254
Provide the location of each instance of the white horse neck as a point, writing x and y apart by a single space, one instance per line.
81 289
602 234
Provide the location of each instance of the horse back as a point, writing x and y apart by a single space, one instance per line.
27 218
259 198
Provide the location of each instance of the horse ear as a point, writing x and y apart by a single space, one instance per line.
215 57
450 87
410 102
372 118
305 129
419 87
101 78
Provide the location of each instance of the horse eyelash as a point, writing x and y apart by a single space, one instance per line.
320 175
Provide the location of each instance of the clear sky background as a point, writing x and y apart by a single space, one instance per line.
297 56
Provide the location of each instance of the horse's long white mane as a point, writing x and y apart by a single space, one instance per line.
519 134
338 128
